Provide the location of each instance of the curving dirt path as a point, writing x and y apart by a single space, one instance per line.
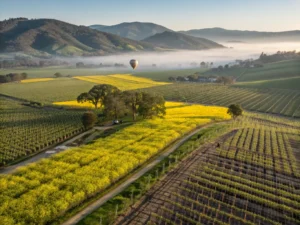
92 207
48 152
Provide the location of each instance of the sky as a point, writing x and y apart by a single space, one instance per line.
261 15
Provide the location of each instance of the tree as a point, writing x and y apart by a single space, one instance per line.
193 77
226 66
14 76
132 100
202 64
152 105
24 76
97 94
58 75
220 68
88 119
180 78
114 105
225 80
235 110
172 79
4 79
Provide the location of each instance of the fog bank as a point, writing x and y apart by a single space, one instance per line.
183 59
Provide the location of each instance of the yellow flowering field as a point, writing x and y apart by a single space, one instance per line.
75 104
36 80
122 81
44 191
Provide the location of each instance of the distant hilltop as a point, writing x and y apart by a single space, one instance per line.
175 40
223 35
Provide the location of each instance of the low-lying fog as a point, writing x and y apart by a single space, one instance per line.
183 59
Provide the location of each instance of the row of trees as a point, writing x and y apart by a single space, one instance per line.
11 77
20 61
117 103
101 65
226 80
203 64
279 56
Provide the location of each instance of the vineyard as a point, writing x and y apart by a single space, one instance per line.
25 130
42 192
269 71
122 81
278 101
224 185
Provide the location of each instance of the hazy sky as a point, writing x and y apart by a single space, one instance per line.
268 15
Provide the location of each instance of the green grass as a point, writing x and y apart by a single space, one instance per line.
283 69
232 72
278 70
283 83
157 74
60 89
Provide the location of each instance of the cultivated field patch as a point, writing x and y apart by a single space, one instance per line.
75 104
36 80
122 81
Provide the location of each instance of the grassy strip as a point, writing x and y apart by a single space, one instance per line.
108 212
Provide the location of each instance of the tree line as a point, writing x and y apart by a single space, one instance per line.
226 80
101 65
23 61
11 77
279 56
116 103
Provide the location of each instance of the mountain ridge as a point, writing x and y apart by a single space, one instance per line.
54 37
176 40
134 30
221 34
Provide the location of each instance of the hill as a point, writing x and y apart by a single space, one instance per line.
48 36
134 30
97 26
220 34
281 83
175 40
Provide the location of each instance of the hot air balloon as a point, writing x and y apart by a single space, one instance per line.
134 63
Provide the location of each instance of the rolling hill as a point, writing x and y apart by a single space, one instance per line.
134 30
220 34
48 36
175 40
97 26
